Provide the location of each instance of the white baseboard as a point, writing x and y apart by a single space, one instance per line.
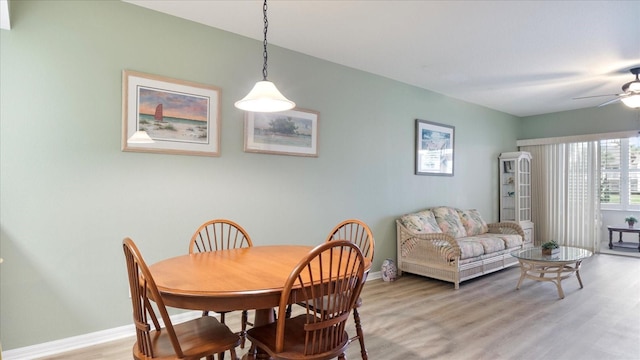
82 341
374 275
99 337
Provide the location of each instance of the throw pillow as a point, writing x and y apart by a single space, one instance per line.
421 222
449 221
473 222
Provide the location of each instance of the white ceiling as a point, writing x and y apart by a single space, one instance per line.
520 57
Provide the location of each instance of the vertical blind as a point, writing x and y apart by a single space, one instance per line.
565 189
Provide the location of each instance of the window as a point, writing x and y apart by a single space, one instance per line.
620 173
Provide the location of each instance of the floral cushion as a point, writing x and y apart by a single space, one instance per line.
487 243
449 221
492 245
473 222
469 248
510 240
421 222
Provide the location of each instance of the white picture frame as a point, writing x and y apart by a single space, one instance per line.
181 117
292 132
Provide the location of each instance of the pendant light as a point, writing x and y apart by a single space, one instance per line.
265 97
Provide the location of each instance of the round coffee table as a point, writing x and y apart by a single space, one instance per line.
559 266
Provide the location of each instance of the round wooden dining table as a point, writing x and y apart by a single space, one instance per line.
249 278
226 280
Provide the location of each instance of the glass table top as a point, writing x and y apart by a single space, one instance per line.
566 253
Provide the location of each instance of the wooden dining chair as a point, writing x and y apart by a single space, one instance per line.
193 339
359 233
222 234
219 234
334 271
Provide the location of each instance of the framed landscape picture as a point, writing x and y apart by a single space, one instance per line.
181 117
292 132
434 148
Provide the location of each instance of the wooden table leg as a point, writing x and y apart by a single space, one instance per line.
610 239
264 317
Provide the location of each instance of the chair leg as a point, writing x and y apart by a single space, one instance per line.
363 349
221 355
253 351
243 332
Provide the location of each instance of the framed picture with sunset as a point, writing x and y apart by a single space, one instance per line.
179 117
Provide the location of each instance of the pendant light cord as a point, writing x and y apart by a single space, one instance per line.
264 43
264 96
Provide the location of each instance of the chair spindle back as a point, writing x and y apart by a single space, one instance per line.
333 271
219 234
357 232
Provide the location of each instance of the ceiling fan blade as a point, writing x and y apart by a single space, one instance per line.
629 89
594 96
610 101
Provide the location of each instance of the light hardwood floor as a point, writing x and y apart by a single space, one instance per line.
487 318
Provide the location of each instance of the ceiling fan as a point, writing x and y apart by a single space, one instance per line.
630 95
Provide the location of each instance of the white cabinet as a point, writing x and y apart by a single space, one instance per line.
515 191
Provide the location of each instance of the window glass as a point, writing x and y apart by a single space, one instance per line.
620 173
610 154
634 153
610 188
634 188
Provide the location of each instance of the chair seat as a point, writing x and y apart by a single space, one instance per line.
265 338
325 302
198 338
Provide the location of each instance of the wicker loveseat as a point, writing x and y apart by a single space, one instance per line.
455 245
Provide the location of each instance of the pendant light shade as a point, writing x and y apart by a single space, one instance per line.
140 137
265 97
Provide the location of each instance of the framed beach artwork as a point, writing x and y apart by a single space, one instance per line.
292 132
434 148
181 117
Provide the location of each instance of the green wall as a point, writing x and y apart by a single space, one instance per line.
610 118
69 195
